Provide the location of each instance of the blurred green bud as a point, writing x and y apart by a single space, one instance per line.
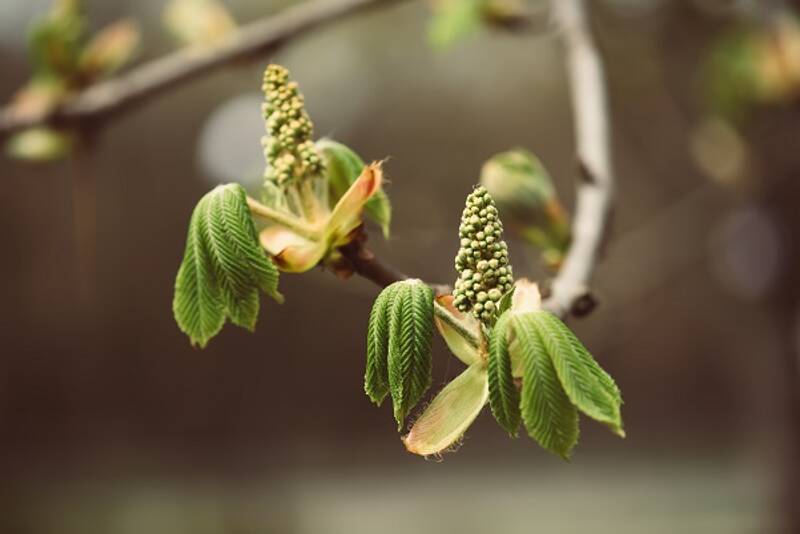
39 144
198 22
528 202
110 49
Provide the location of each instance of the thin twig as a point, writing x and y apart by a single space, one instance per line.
595 189
99 102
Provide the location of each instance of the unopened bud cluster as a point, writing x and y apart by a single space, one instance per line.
484 274
288 145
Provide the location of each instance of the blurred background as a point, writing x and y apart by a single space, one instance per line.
111 423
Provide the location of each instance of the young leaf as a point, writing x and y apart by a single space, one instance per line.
376 376
461 331
503 394
197 305
589 388
343 167
410 331
549 416
450 413
223 267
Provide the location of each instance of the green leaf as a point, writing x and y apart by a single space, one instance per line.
589 388
450 413
547 412
503 394
223 267
410 332
342 167
376 376
453 20
197 305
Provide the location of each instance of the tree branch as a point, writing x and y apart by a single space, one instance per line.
99 102
595 189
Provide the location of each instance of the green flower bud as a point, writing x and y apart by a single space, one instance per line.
482 260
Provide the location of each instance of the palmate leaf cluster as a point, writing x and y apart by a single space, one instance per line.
223 268
559 379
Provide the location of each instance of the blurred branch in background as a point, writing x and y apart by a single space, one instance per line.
570 291
100 101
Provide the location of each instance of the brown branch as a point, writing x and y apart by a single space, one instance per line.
595 188
99 102
365 264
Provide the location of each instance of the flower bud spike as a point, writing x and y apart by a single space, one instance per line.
288 146
484 274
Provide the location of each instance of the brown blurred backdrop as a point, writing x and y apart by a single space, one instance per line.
111 423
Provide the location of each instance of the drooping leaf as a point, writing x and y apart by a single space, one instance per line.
503 394
223 267
589 388
547 412
197 305
450 413
343 167
410 331
461 331
376 376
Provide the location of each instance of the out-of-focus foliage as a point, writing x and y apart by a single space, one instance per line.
754 65
198 22
453 20
64 60
528 202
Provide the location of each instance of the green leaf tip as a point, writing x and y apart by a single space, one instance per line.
503 394
549 416
586 384
223 268
399 339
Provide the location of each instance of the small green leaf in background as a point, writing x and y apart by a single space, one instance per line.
453 20
223 267
589 388
55 41
549 416
39 144
343 166
376 376
410 336
503 394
